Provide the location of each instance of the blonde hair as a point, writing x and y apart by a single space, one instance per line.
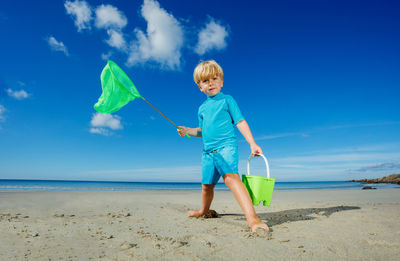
206 70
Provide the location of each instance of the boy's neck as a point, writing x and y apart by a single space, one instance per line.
212 96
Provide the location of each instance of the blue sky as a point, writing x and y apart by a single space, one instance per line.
317 81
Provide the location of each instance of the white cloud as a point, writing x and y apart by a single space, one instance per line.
116 39
162 41
108 16
19 95
389 165
358 125
80 12
57 46
282 135
101 131
345 157
2 111
335 163
307 133
113 20
21 83
106 56
393 146
106 120
101 122
213 36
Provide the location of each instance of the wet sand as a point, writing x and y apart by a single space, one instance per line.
152 225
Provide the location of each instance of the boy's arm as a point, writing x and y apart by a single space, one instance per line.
245 130
195 132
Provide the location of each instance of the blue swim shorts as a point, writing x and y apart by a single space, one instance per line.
219 162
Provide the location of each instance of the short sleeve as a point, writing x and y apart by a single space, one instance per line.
200 119
234 110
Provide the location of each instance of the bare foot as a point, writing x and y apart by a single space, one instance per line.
210 214
259 226
194 213
197 213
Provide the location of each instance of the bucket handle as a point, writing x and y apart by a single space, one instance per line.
266 164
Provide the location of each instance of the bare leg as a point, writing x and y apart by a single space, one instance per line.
234 183
207 195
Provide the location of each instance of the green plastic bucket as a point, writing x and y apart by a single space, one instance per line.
260 188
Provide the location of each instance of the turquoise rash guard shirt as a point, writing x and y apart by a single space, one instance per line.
218 116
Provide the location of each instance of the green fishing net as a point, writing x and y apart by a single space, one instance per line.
118 89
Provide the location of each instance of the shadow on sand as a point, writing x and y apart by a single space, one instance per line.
291 215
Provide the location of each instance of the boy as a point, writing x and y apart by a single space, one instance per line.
217 117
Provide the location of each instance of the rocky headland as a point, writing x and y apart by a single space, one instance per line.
393 179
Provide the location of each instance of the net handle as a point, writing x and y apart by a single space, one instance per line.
265 160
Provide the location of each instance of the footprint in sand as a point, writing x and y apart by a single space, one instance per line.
127 245
260 233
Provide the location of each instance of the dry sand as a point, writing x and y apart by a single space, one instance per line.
147 225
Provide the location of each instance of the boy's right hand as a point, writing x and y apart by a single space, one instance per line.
182 131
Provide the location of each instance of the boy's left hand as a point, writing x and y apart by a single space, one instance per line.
256 150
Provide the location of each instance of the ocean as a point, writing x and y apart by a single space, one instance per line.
19 185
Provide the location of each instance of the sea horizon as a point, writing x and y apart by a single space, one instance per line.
38 185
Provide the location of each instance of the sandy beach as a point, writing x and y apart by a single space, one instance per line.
152 225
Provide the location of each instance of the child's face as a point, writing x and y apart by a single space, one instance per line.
211 86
